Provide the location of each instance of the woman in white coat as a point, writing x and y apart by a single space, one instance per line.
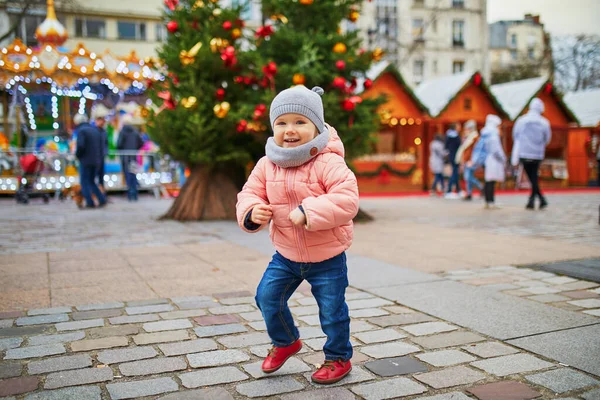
495 159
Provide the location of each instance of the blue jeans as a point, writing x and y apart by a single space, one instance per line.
131 181
470 180
328 280
88 185
437 178
454 178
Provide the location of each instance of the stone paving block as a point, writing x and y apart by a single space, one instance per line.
507 390
134 319
59 364
307 301
559 280
34 351
182 314
110 331
382 335
305 310
311 332
512 364
190 346
448 339
218 319
231 309
398 309
72 393
143 303
96 344
249 339
368 303
102 306
449 377
388 389
445 358
190 305
400 319
447 396
321 394
317 344
548 298
252 316
310 320
123 355
148 309
263 350
291 366
396 366
258 325
136 389
199 394
269 387
367 312
593 312
212 376
170 325
81 315
11 314
218 357
357 375
358 295
540 290
153 366
14 386
592 395
228 295
490 349
390 349
429 328
361 326
586 303
562 380
47 311
77 325
77 377
60 338
10 370
6 323
190 299
161 337
10 343
42 319
237 300
580 294
216 330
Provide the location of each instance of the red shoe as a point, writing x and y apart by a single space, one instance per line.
332 372
278 356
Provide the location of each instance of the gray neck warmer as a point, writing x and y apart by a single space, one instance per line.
296 156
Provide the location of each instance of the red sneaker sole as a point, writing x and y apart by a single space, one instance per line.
270 371
331 381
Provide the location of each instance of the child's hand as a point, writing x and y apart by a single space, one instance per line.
261 214
297 217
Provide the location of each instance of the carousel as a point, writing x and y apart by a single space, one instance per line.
43 87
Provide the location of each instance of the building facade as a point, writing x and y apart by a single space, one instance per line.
427 39
521 44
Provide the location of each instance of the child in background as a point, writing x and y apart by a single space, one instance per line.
304 188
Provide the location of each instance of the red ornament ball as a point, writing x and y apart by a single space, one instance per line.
339 82
172 26
368 83
220 94
348 105
227 25
340 64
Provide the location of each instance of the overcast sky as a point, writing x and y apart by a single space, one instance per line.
560 17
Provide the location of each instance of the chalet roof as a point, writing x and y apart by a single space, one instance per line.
516 96
585 105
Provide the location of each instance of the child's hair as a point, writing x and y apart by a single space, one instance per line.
300 100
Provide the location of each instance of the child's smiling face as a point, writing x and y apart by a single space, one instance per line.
293 130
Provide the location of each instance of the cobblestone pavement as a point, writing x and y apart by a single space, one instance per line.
211 347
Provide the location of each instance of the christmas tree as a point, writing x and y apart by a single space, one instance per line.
199 106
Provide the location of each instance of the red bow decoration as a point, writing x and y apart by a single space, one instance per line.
270 69
264 31
259 111
242 125
171 4
169 102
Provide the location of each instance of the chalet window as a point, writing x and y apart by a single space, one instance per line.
468 104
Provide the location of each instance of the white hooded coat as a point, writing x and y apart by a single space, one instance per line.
496 158
532 131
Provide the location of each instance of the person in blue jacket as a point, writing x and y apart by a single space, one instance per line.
451 146
90 152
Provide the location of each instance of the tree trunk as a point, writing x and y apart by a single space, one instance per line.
208 194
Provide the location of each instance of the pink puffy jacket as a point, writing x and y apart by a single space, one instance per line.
328 192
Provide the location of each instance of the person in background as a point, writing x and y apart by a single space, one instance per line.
130 141
495 160
463 157
531 135
436 163
100 123
451 145
90 152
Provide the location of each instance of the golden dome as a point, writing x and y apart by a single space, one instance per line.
51 31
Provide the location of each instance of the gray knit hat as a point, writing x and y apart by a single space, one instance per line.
300 100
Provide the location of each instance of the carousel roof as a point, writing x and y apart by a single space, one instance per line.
515 96
585 105
51 31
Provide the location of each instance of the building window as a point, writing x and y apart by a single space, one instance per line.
417 29
131 30
458 3
92 28
385 32
513 54
468 104
434 24
435 67
530 54
418 69
161 33
513 40
419 3
458 33
458 67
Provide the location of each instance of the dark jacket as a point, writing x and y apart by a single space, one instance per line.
452 144
90 145
129 139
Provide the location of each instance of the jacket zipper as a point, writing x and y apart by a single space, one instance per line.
298 234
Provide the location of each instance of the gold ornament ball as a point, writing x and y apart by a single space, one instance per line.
306 2
299 79
198 4
339 48
189 102
353 16
377 54
236 34
218 44
221 110
217 12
